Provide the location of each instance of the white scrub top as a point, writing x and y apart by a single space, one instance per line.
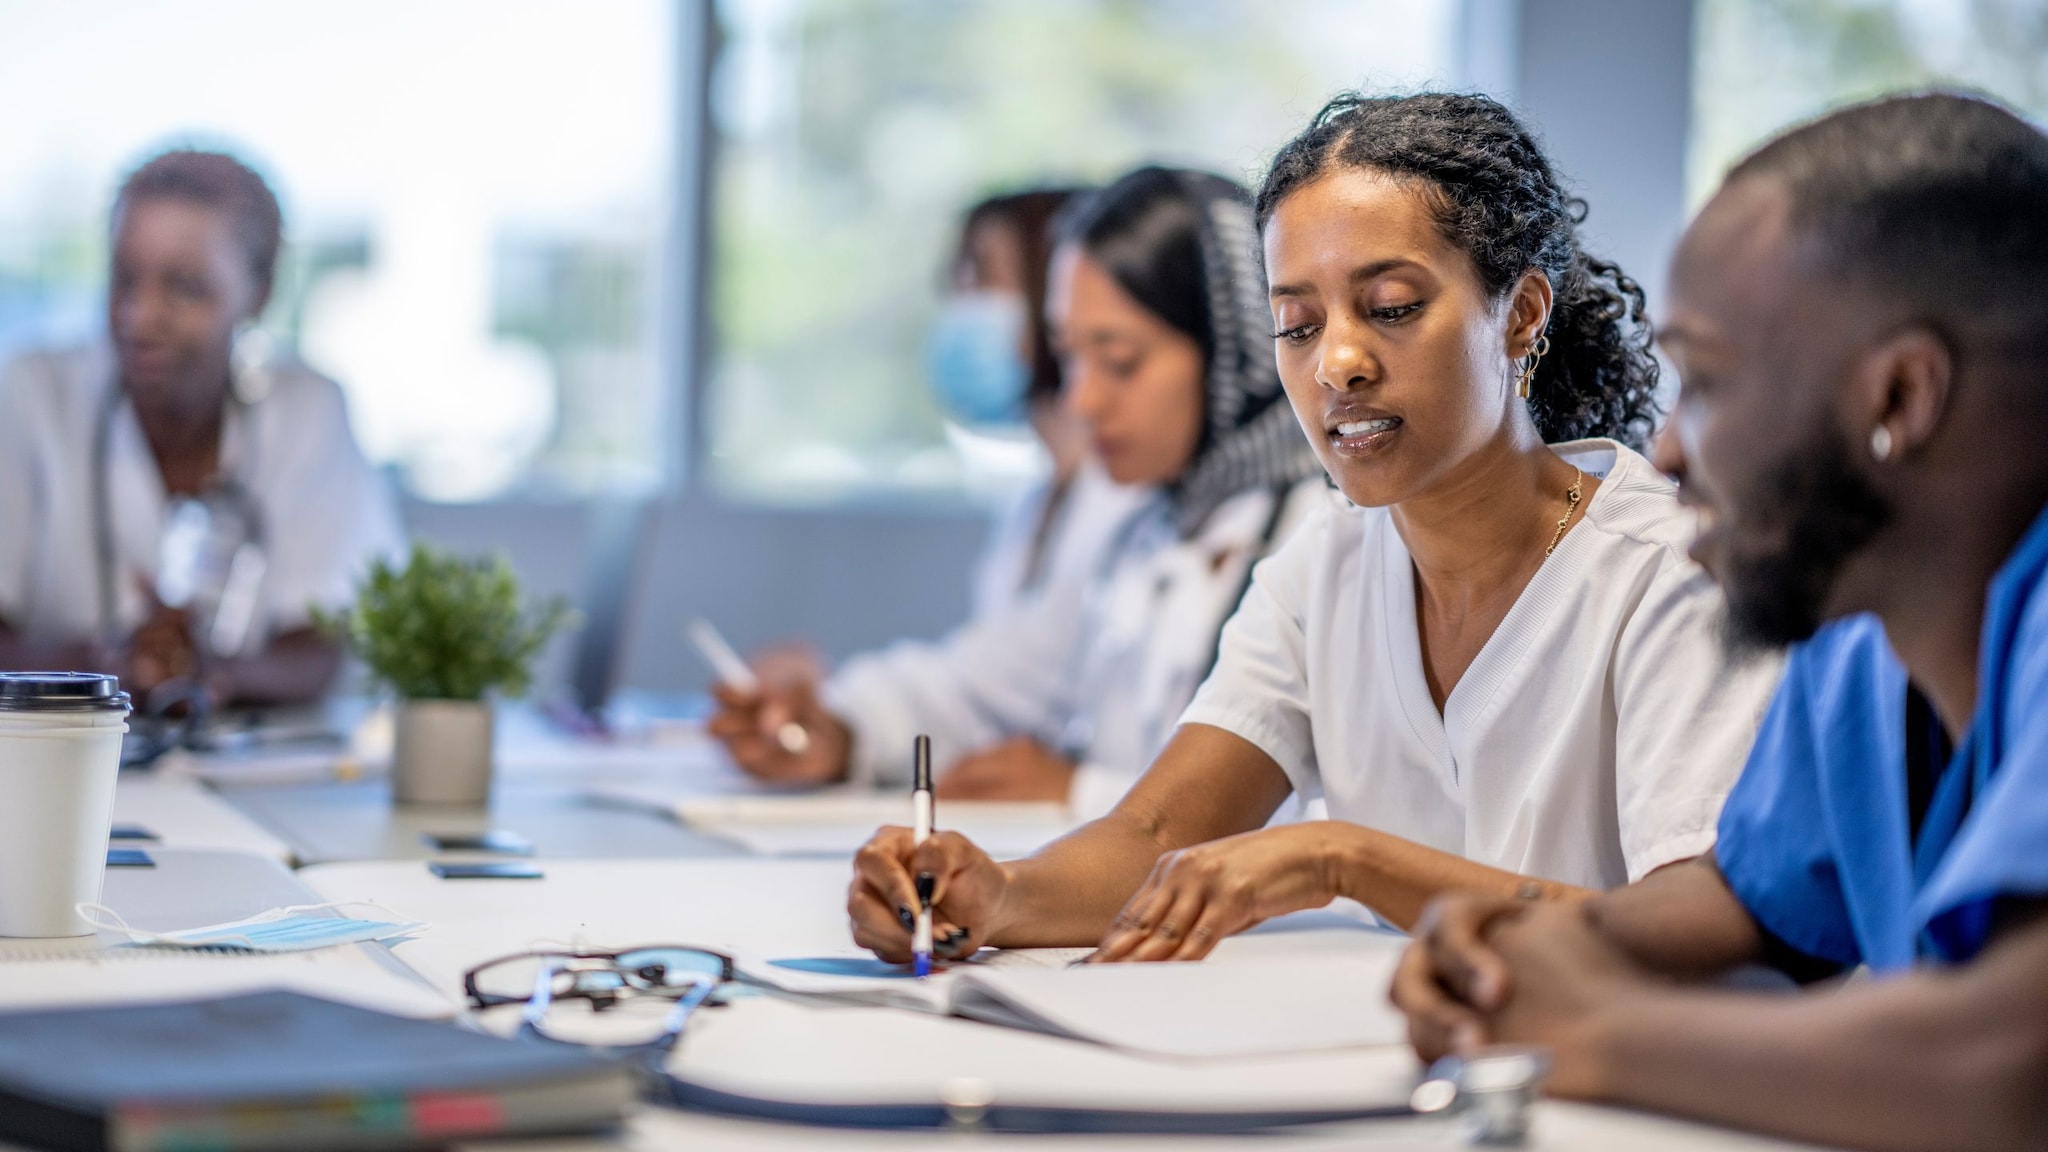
1089 518
325 511
1592 739
1098 669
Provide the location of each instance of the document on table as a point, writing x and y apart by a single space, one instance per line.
1202 1010
837 821
65 973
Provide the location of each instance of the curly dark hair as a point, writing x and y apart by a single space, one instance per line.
1496 198
224 184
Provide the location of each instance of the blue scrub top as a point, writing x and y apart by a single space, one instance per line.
1814 838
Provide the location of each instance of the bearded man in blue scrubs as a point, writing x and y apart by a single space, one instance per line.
1860 320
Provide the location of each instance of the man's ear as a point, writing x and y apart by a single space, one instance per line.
1904 385
1528 312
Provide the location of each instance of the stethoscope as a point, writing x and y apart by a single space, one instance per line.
233 611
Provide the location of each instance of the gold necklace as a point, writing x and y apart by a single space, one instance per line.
1571 505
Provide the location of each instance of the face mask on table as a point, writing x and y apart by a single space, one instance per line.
278 930
972 354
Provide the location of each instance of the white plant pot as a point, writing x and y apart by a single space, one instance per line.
442 753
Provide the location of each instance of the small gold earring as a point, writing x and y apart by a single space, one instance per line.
1535 357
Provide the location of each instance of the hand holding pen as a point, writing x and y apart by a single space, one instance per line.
774 728
920 894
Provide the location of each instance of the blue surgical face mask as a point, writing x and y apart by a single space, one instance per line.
973 354
278 930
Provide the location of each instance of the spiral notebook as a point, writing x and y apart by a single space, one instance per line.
1209 1010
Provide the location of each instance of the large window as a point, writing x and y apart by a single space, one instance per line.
852 132
1766 64
476 194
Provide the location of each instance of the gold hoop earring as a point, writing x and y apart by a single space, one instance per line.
1527 380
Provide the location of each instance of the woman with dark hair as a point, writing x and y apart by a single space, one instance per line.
1156 312
1497 665
992 366
174 503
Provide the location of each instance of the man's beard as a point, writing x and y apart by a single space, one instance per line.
1822 512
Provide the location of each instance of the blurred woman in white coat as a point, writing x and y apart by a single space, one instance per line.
1157 308
174 502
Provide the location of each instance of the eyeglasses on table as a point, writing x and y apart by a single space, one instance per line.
589 998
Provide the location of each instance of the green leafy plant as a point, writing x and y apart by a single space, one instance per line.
444 627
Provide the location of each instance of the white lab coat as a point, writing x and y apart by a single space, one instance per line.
1077 541
325 511
1099 669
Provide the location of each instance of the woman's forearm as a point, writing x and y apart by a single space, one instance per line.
1206 784
20 654
1398 878
1069 893
295 668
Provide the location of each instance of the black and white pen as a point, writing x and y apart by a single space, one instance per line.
734 671
921 831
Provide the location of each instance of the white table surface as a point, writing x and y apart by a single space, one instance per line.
796 907
191 888
357 821
186 814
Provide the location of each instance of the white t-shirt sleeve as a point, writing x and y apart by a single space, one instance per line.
1685 717
1007 675
1259 688
334 515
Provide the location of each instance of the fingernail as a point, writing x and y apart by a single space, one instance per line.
925 883
909 921
957 935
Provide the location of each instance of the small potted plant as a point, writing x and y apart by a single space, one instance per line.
445 634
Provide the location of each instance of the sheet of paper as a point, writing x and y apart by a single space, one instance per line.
835 821
857 976
779 1048
52 974
1280 1005
854 806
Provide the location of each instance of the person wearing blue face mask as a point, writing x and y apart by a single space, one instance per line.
991 367
1158 306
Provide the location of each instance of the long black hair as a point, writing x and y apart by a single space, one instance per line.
1182 244
1495 197
1145 231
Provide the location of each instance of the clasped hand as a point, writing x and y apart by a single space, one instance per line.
1488 970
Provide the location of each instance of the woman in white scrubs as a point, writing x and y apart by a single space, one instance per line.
172 505
1497 666
1158 315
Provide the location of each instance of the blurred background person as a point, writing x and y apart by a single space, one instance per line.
993 370
175 501
1157 311
992 366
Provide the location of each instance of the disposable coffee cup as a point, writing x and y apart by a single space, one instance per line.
60 755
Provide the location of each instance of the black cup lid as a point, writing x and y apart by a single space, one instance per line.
61 692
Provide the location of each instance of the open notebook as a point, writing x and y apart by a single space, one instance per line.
1280 1004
